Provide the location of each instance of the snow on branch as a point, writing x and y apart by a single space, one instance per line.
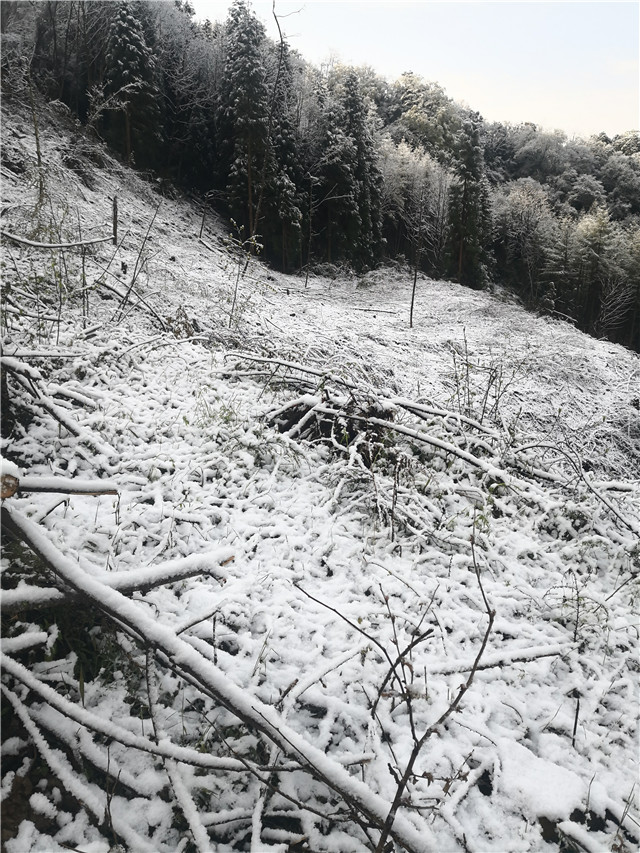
95 801
126 583
32 244
186 661
66 486
92 722
27 377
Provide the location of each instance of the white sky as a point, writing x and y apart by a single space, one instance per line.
571 65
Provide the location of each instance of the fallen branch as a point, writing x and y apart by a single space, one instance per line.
496 473
24 242
373 310
62 485
630 525
199 671
48 354
27 640
63 770
27 376
180 790
126 583
109 729
18 368
141 300
498 659
210 247
12 308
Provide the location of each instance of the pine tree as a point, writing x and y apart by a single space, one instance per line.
188 58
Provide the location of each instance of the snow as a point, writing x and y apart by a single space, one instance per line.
539 787
281 575
9 469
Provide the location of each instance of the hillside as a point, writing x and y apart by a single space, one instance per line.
360 586
336 163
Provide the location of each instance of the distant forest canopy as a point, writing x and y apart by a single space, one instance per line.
338 165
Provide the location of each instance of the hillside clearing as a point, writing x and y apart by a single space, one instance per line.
344 506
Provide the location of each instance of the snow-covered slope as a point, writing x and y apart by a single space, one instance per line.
403 561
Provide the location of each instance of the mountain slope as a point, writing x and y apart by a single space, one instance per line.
352 569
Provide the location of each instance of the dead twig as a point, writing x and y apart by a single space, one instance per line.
136 269
418 745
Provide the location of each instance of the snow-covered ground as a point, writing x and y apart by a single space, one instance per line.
483 472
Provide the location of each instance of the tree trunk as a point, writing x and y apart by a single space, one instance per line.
310 232
52 11
36 132
127 133
417 259
413 295
250 190
5 405
463 222
284 248
65 55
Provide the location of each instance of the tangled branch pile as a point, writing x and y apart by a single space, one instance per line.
195 678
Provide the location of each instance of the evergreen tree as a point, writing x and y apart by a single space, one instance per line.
630 333
131 70
560 265
621 178
499 150
243 114
470 215
595 263
281 223
367 178
189 60
329 157
620 294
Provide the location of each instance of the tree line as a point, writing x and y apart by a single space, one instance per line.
336 165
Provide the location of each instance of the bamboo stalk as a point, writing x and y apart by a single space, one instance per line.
33 244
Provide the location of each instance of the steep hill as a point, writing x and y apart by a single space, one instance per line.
282 573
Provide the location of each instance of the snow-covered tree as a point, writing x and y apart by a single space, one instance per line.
470 215
329 158
415 202
367 233
524 235
585 192
425 116
280 224
131 69
190 61
243 114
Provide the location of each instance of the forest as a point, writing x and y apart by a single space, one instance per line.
336 165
